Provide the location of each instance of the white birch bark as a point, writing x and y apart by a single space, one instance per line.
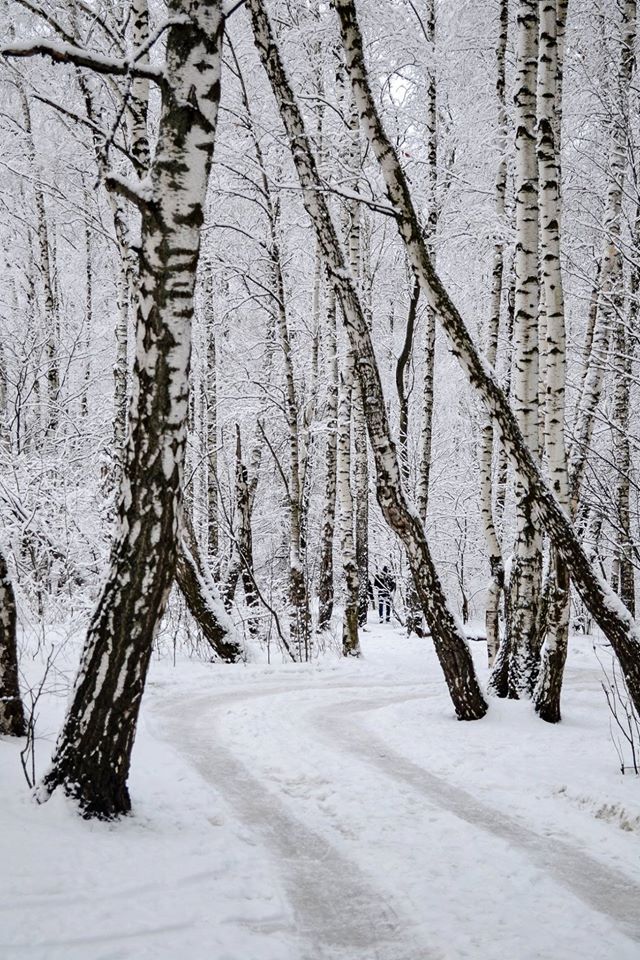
325 586
524 582
449 639
485 465
51 417
609 297
613 618
92 756
547 692
350 641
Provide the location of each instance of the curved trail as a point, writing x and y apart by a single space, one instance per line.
606 890
338 912
342 911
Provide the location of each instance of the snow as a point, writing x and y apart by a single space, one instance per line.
334 811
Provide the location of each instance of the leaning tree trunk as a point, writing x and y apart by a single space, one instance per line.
12 722
494 551
199 589
554 652
614 620
92 756
449 639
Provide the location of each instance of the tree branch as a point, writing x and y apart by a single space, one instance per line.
68 53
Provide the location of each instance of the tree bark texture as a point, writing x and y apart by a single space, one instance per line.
92 756
12 720
613 618
449 638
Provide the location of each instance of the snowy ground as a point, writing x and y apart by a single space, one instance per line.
335 812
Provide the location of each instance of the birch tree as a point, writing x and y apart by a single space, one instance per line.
524 581
449 638
494 550
547 693
92 756
614 620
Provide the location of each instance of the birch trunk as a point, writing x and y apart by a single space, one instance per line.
494 551
325 587
554 652
624 348
524 582
193 577
614 620
350 641
449 639
426 430
609 299
12 721
92 756
52 415
211 406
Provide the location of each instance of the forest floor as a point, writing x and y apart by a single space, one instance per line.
334 811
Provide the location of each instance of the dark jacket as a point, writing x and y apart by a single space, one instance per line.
384 583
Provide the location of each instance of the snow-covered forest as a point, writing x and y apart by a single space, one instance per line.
319 479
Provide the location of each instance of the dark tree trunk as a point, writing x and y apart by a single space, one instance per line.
12 722
93 752
200 592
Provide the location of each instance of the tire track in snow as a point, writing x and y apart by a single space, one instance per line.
339 914
601 887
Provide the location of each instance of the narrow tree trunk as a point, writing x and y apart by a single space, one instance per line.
211 406
12 722
325 586
448 635
199 589
350 641
610 291
494 551
92 756
624 349
614 620
50 303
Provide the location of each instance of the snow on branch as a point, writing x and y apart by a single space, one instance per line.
138 193
68 53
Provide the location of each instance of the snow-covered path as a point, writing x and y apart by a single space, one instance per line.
380 858
335 811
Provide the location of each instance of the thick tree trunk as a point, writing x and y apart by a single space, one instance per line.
12 721
448 635
614 620
526 570
92 756
557 609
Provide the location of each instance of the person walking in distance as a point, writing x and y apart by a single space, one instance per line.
385 585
